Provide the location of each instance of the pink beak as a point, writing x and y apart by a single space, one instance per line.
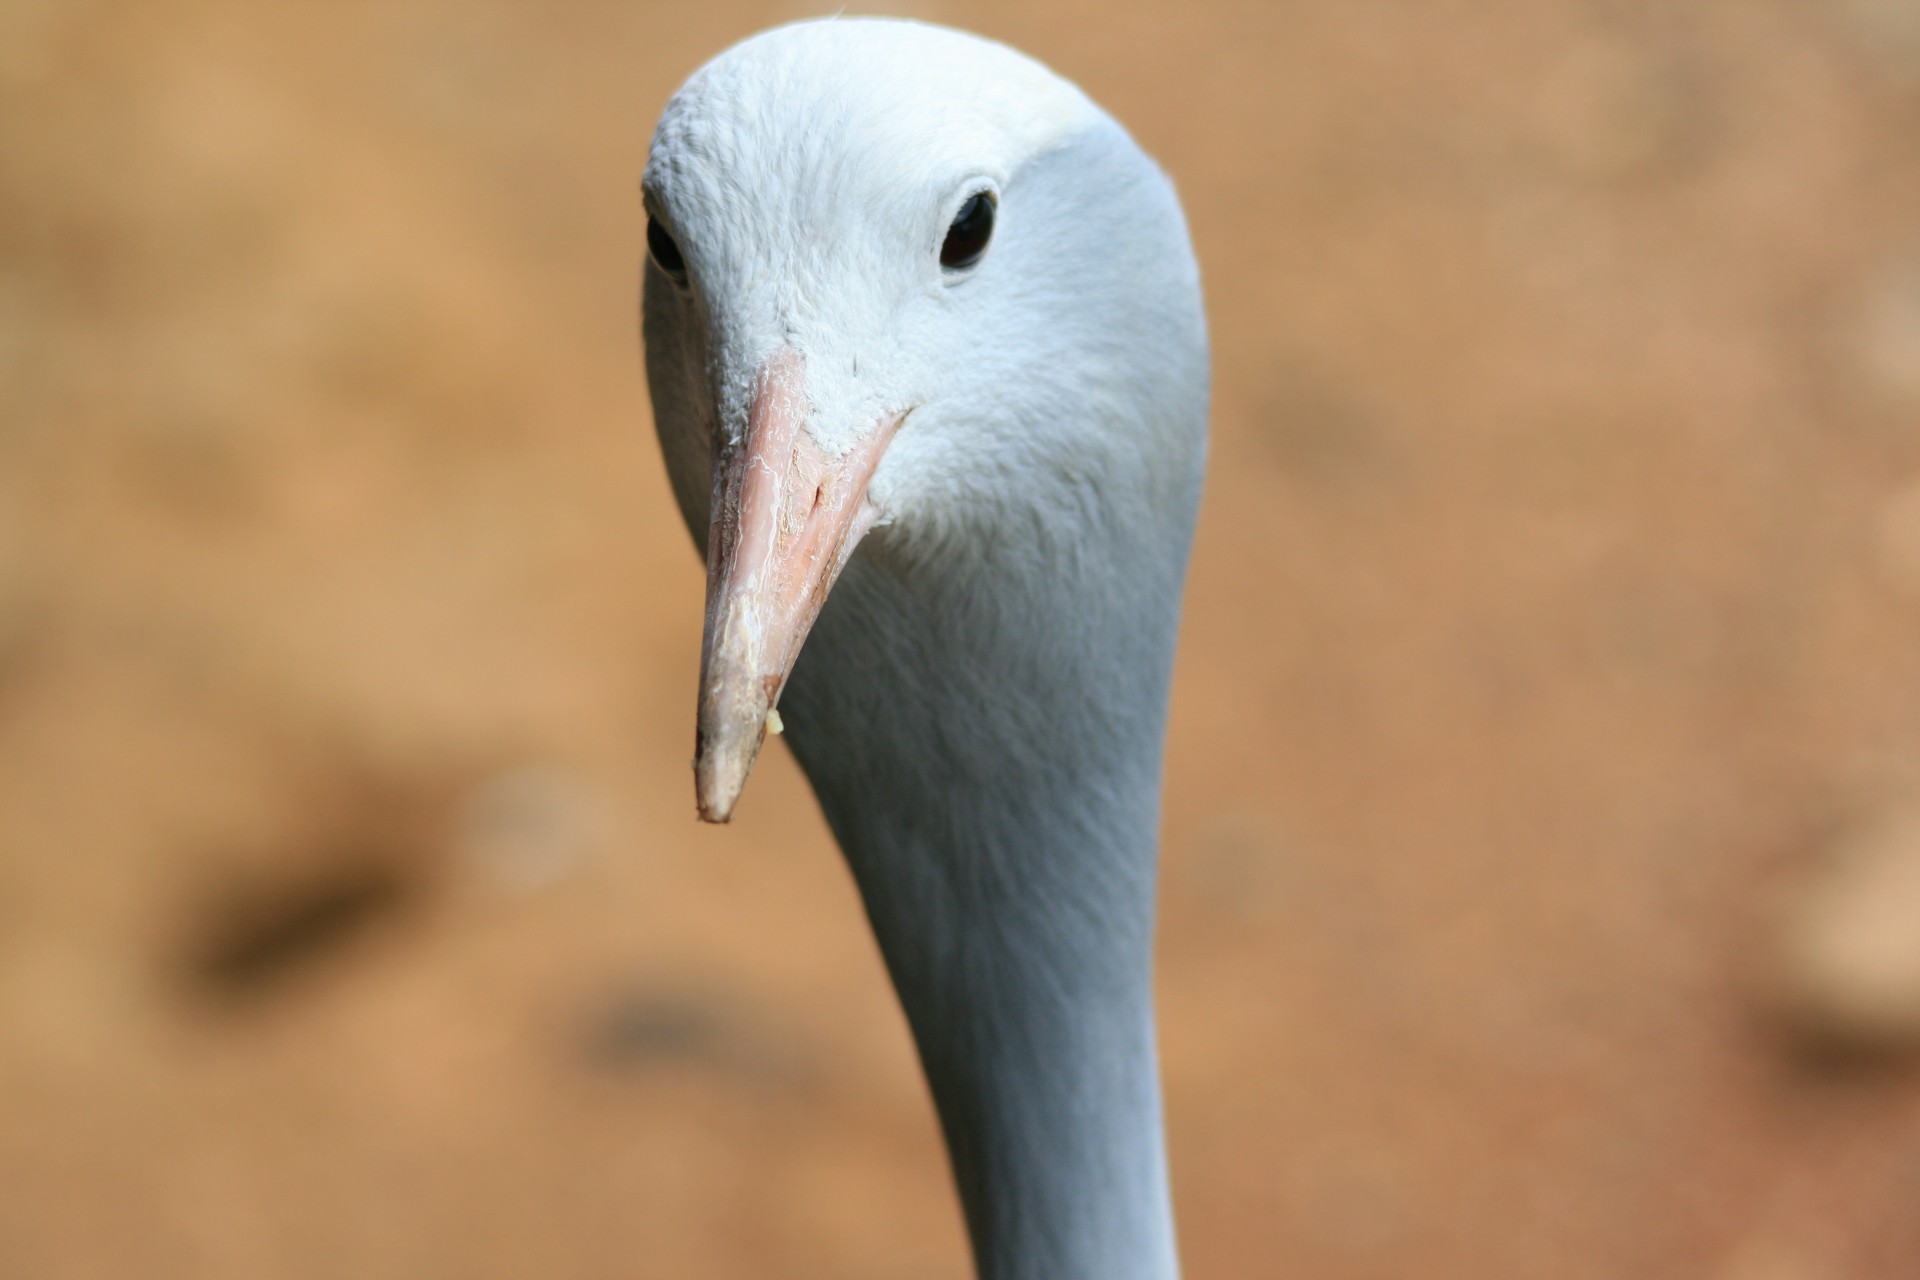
786 518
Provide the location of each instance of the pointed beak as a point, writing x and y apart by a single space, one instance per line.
786 518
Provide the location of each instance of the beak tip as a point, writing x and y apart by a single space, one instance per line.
715 807
719 776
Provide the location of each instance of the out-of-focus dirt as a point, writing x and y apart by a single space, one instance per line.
1556 613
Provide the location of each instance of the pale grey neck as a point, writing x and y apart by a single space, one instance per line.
1031 1003
992 773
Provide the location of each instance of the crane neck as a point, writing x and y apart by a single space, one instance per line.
996 792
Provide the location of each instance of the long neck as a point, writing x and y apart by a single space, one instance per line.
988 751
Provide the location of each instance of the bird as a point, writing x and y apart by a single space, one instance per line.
928 362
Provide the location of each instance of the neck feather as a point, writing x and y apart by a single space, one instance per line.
987 750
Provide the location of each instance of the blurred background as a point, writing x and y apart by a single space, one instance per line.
1542 871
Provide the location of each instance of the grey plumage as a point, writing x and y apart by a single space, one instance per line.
980 705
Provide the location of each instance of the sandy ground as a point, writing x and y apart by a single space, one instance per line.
1552 625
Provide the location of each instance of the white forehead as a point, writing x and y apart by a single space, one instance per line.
861 97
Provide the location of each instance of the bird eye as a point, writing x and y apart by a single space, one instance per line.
666 254
967 238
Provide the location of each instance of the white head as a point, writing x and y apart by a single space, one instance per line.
908 277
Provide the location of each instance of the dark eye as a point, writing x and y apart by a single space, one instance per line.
666 254
967 237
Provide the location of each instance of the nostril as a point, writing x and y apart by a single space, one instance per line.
819 496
